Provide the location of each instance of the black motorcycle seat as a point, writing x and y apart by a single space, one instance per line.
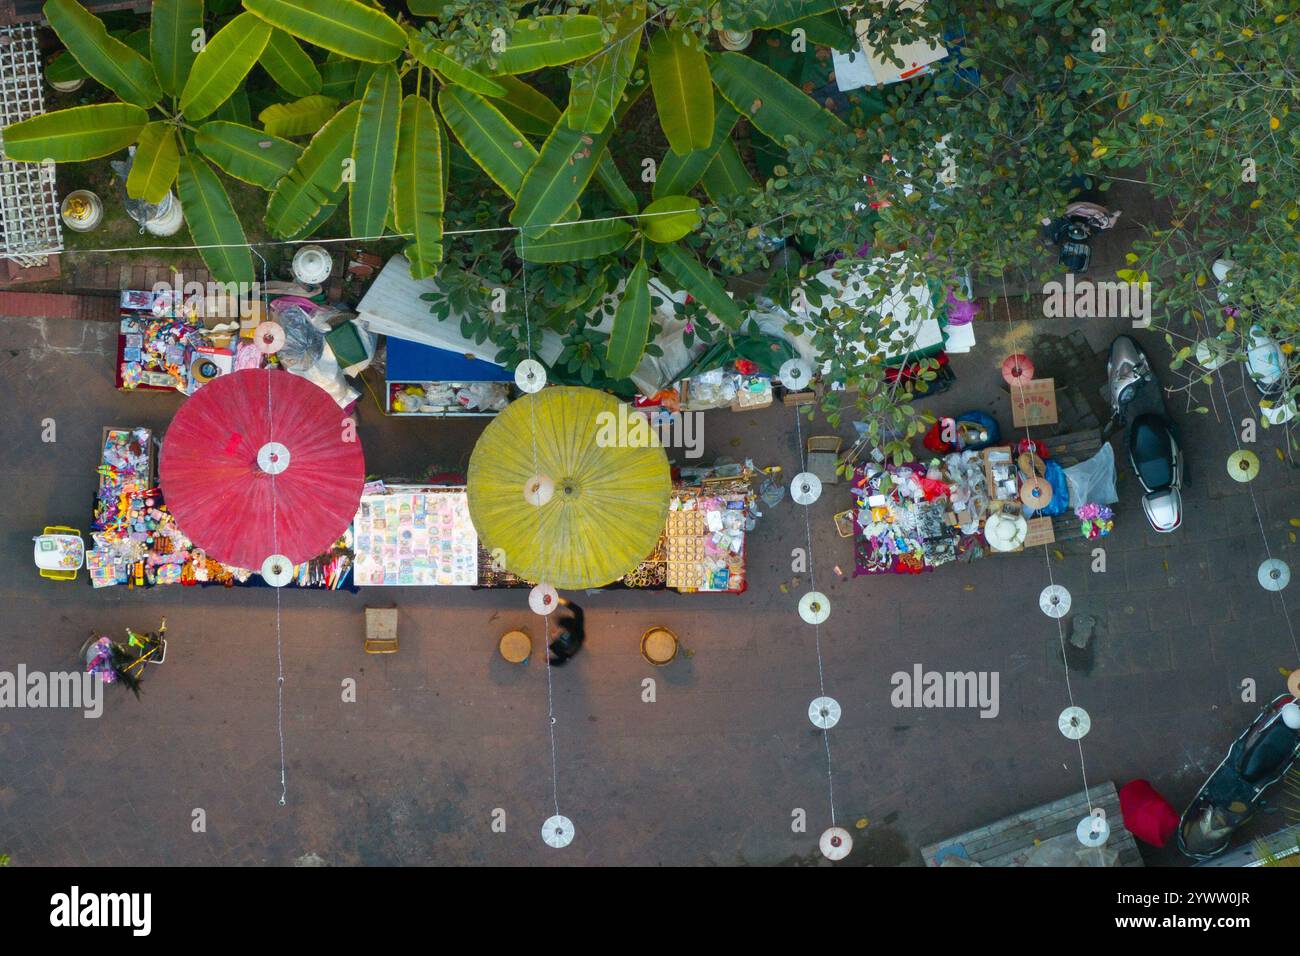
1270 754
1151 448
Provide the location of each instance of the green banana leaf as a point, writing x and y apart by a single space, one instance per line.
580 240
76 134
670 218
290 66
316 175
157 158
234 110
298 118
530 111
727 175
678 175
679 74
171 41
557 177
374 154
611 180
213 222
437 59
222 65
338 78
773 104
345 27
323 216
627 338
597 84
249 155
825 29
778 13
498 147
550 41
417 185
364 72
699 282
105 58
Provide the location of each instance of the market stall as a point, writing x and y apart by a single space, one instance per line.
422 380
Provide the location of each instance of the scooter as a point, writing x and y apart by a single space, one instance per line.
1259 758
1153 449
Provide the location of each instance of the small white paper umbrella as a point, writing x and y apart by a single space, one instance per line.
824 712
538 490
796 374
1054 601
1093 831
836 843
557 831
814 607
530 375
805 488
1074 722
1274 574
277 570
543 599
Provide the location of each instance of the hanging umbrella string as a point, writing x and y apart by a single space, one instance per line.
1014 339
546 620
275 549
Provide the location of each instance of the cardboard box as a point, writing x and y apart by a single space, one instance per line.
1040 532
999 454
1034 403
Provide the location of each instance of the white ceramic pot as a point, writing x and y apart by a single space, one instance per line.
81 210
312 265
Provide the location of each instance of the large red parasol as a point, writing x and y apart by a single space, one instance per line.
261 462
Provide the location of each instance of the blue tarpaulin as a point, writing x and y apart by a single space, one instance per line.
414 362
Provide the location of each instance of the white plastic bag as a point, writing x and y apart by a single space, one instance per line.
1093 481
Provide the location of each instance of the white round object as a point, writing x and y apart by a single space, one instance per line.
735 40
836 843
538 490
1274 574
530 376
1291 715
273 458
814 607
1074 722
277 570
805 488
268 337
824 712
1093 831
312 265
557 831
68 86
796 373
1055 601
543 599
92 210
1211 353
169 218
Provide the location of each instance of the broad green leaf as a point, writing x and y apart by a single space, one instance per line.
74 135
364 72
677 175
222 65
250 155
323 216
64 68
316 175
558 176
549 41
213 223
436 58
777 107
699 282
597 83
171 41
234 110
290 66
727 175
298 118
679 74
345 27
611 180
500 150
531 112
670 218
157 159
338 77
105 58
417 185
825 29
627 338
579 240
374 153
777 13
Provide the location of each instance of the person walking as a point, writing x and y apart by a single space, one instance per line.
569 640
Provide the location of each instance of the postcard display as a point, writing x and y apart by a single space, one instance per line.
415 536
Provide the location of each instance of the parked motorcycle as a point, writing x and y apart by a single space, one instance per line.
1232 795
1153 449
1072 232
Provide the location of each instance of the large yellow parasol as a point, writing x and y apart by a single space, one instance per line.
592 503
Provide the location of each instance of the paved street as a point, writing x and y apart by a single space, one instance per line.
444 732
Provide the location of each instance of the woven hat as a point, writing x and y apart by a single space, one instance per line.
1005 532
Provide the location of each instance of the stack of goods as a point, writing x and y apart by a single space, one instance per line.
705 537
423 537
721 387
902 519
163 345
447 398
